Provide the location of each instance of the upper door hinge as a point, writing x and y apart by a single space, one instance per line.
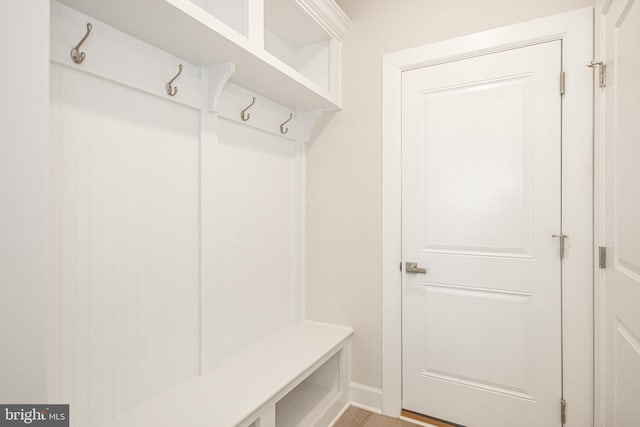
602 257
563 411
602 71
400 265
562 238
563 77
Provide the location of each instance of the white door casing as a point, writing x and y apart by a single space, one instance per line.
574 29
481 153
618 151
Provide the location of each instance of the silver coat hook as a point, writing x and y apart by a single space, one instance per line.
284 129
244 115
171 91
76 55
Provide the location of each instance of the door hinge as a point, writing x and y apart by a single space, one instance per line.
562 238
563 411
602 256
400 265
602 71
563 77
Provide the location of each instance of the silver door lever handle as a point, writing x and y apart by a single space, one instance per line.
412 267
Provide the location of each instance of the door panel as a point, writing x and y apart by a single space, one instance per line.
497 163
459 354
621 30
480 202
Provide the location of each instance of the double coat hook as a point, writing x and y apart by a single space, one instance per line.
284 129
243 114
171 91
76 55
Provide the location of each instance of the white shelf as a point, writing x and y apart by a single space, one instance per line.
186 30
300 405
303 405
298 40
229 394
233 13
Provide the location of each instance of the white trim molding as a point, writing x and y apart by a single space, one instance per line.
366 397
328 15
575 30
600 49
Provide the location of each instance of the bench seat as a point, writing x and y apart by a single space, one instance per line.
237 391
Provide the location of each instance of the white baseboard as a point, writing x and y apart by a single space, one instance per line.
332 412
366 397
337 417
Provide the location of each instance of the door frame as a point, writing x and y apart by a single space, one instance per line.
599 129
575 30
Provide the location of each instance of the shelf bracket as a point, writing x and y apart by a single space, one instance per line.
311 122
218 77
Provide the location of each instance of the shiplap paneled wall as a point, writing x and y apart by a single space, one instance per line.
125 244
258 200
172 230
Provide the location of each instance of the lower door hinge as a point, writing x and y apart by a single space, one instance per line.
563 411
400 265
602 71
602 257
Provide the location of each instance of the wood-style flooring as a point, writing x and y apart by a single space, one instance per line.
356 417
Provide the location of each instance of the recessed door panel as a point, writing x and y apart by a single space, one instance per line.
626 375
493 146
459 353
627 150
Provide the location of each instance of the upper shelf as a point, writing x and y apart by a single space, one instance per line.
184 29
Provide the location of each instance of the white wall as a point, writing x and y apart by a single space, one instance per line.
24 118
344 162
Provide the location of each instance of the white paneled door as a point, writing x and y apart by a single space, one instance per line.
481 200
620 30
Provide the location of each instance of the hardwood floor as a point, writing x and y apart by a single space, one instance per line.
423 418
356 417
